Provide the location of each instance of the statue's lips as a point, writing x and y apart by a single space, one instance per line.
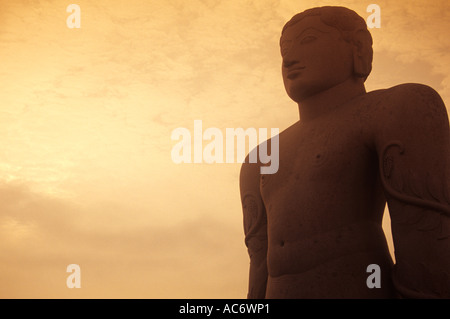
293 73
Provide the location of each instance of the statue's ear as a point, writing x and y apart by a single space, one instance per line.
362 54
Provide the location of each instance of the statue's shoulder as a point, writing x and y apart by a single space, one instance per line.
410 91
408 109
404 92
409 101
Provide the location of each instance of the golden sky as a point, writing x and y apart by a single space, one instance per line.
86 175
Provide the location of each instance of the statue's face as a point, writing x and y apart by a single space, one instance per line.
315 58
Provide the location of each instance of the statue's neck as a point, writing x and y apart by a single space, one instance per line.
326 101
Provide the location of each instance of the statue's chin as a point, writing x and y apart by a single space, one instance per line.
300 90
298 94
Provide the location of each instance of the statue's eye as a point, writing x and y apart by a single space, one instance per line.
308 39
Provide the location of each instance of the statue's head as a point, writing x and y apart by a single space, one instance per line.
323 47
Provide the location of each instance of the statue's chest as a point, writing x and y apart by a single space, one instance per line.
315 158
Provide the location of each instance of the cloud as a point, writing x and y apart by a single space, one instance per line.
119 256
415 34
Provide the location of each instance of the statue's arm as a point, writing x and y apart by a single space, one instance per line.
255 229
413 146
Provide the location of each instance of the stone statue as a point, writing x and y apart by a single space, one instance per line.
313 228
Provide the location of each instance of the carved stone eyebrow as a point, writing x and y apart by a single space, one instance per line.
287 42
284 40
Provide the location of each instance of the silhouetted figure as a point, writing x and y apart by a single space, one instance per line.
314 227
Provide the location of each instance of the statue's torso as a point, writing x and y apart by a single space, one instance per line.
324 207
